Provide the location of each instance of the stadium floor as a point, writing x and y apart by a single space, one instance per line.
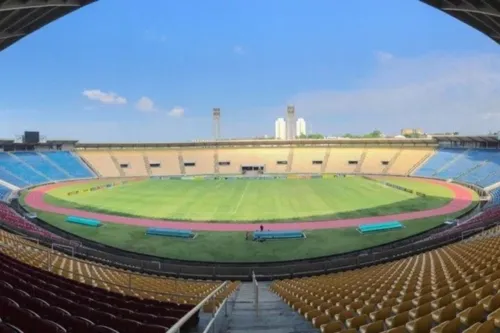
462 199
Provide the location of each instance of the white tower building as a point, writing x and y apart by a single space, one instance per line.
280 129
301 127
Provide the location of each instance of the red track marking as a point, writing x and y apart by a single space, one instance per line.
462 199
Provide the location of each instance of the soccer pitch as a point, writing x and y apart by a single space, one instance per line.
248 200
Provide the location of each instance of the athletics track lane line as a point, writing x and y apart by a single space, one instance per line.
462 199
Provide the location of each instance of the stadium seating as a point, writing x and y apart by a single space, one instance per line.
438 161
409 159
9 217
42 165
268 158
36 301
70 163
4 191
30 168
495 198
166 162
203 161
446 290
475 166
102 162
373 163
105 277
134 160
303 159
339 159
18 172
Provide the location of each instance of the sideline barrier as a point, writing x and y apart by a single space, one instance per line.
368 228
83 221
263 235
170 232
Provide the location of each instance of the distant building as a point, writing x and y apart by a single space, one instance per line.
412 131
300 127
280 129
290 122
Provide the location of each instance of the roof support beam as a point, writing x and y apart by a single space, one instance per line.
17 5
468 10
6 35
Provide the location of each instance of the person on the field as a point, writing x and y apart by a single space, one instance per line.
261 227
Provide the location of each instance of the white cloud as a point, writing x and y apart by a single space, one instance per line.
435 92
104 97
383 57
176 112
238 49
145 104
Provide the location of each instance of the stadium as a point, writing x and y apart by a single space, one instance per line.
396 234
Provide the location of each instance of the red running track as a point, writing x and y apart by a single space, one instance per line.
463 198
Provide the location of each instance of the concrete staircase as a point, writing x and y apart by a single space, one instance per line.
117 165
360 162
181 163
14 156
290 161
147 164
274 316
216 161
391 162
87 164
325 160
54 164
420 163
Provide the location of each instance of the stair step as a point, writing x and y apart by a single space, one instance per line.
273 315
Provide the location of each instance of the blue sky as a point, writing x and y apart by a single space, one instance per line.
128 70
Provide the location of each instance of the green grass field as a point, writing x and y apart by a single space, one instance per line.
252 200
369 198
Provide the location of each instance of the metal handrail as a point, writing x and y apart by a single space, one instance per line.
177 326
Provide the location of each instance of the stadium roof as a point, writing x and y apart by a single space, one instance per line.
483 15
464 138
18 18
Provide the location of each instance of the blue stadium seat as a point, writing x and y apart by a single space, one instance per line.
3 192
70 163
437 161
19 170
475 166
31 168
42 165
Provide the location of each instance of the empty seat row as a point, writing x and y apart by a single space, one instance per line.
445 290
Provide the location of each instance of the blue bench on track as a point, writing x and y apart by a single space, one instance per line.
179 233
83 221
367 228
262 235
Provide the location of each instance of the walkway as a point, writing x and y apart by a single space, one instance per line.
462 199
274 316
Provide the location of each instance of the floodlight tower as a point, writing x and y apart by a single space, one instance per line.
216 123
290 122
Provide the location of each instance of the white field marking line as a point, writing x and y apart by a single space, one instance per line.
235 210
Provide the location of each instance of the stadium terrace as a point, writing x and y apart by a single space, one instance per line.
307 235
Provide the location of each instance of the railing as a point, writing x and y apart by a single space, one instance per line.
176 328
256 288
212 324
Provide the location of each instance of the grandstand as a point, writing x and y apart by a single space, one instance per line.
440 281
460 293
